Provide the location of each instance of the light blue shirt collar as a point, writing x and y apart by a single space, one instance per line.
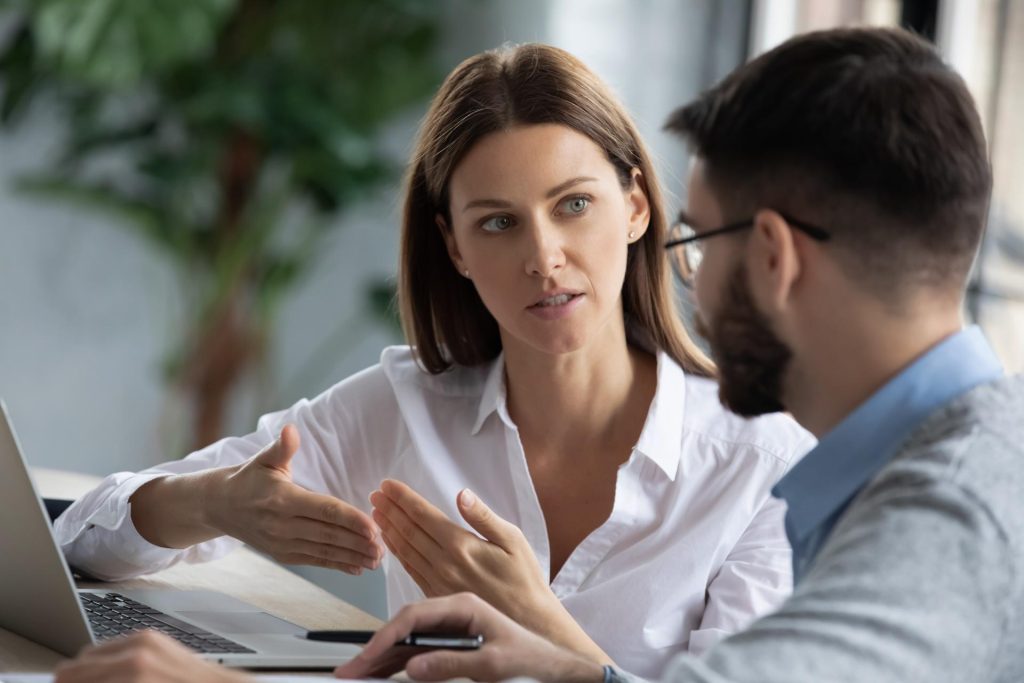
854 451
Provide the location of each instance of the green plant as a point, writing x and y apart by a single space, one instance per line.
240 129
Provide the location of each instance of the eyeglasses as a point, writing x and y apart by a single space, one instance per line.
686 253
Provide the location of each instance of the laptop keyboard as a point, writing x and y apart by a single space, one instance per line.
112 615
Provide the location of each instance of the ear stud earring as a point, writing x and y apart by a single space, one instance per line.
632 234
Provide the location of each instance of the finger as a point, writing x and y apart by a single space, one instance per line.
278 455
390 517
484 520
331 553
146 639
115 659
450 612
303 528
414 506
314 561
446 664
328 509
412 562
384 666
81 671
406 565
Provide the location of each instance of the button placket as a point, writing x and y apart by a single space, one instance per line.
533 526
592 549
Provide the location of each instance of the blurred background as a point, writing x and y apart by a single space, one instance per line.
199 199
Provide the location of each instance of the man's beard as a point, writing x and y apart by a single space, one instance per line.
751 359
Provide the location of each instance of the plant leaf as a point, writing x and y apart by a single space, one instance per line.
114 43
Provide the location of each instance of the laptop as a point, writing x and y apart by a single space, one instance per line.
39 601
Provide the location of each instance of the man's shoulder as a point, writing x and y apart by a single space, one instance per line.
937 537
996 407
970 453
975 435
981 434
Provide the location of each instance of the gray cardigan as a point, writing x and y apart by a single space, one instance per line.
922 579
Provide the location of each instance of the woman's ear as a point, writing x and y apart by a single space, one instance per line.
449 242
639 204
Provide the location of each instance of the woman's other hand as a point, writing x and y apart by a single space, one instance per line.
258 503
443 558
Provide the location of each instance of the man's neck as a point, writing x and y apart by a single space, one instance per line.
834 376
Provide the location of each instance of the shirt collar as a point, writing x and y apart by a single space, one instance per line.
662 435
493 397
853 452
662 432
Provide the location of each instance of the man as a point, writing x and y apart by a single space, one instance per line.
839 193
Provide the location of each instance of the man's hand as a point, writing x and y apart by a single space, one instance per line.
257 502
145 657
509 649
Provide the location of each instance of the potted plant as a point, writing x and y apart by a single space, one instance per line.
240 129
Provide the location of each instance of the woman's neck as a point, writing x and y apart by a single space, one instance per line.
599 394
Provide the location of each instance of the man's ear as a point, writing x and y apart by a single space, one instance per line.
640 206
773 261
449 243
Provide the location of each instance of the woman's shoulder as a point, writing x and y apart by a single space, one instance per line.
399 371
398 381
777 434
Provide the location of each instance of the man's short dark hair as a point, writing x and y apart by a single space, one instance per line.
865 132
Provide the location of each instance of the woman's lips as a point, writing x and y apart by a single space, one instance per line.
557 306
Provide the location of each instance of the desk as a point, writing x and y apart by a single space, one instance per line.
243 574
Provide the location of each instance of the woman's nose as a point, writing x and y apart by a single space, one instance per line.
545 255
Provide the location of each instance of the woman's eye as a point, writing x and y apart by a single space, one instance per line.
575 205
497 224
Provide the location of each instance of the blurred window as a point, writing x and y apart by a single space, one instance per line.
996 297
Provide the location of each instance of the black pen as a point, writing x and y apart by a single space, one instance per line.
447 641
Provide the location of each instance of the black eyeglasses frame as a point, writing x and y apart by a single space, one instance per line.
687 271
812 231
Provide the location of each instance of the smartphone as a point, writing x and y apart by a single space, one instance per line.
444 641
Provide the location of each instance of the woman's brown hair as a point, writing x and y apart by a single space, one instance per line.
444 318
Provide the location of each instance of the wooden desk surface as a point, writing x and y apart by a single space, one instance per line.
243 574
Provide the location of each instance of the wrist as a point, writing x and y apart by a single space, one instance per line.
172 511
572 668
209 491
541 612
559 627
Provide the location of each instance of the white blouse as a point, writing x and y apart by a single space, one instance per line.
694 548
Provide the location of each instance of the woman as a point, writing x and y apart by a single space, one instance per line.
547 373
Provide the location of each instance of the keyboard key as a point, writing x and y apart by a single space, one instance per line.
112 615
